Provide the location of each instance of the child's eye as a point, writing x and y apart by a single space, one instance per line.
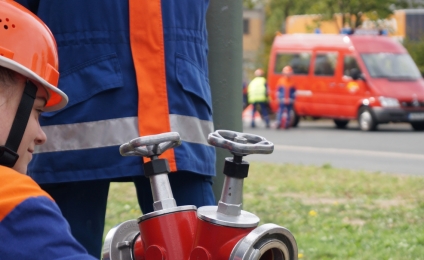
39 111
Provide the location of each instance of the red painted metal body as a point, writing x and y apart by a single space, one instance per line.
168 236
181 235
214 241
138 249
209 233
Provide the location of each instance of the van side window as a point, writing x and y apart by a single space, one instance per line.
350 65
325 64
298 61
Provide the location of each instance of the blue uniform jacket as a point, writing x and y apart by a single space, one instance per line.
281 94
31 224
109 104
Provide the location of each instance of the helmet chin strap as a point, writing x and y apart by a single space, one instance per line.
8 152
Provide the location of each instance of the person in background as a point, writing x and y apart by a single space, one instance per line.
257 93
31 224
130 69
285 95
245 103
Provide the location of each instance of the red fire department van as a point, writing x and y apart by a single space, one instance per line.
369 78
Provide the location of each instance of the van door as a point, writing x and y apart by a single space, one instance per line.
351 91
324 83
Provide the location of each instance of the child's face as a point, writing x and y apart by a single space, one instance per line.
9 101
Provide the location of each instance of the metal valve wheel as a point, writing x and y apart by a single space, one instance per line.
151 145
240 143
156 169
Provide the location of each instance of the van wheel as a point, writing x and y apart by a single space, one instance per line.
295 118
366 120
341 123
418 126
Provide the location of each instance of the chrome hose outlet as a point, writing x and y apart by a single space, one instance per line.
266 242
119 241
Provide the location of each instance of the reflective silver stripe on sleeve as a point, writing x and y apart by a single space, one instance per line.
191 129
112 132
89 135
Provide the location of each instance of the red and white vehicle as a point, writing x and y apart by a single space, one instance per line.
369 78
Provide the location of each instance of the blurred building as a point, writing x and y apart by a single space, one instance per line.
253 31
403 23
415 3
411 23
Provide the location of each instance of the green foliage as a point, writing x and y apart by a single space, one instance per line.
340 214
276 12
416 50
122 205
373 9
333 213
250 4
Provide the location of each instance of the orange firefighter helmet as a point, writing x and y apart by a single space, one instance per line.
27 47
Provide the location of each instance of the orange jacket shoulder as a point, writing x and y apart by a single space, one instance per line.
16 188
285 82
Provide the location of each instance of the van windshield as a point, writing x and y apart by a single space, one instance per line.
391 66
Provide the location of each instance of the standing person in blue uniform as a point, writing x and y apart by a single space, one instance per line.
257 94
245 103
31 224
285 95
130 69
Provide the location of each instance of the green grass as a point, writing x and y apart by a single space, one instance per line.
333 213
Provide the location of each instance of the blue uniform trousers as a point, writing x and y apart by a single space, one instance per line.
263 110
281 108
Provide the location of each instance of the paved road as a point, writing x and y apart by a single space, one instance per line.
394 148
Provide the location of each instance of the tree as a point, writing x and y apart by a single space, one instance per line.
276 12
250 4
416 50
353 11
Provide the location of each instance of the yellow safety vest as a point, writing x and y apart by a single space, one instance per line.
256 91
